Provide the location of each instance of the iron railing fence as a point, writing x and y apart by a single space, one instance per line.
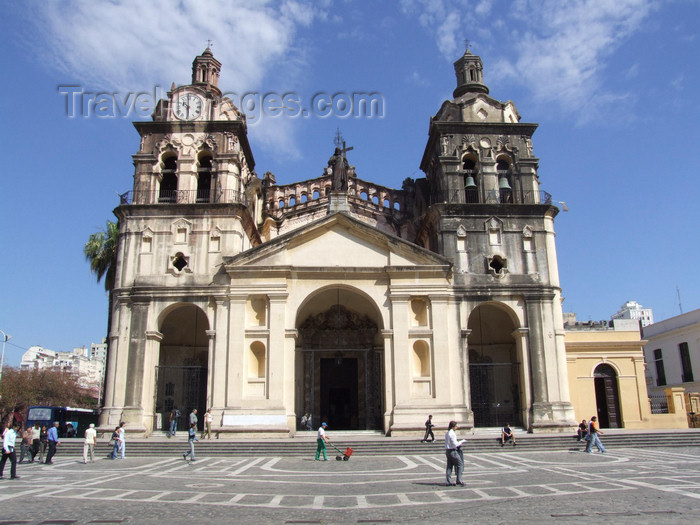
659 403
183 197
473 196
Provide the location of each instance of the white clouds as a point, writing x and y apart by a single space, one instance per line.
555 48
130 45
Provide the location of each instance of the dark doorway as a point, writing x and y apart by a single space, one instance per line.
493 403
181 374
494 368
607 397
181 387
339 396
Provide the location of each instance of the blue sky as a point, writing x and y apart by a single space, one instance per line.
612 83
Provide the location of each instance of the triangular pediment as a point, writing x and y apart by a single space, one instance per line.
336 241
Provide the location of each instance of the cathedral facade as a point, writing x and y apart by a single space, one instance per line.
366 306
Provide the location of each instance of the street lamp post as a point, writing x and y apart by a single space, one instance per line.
5 339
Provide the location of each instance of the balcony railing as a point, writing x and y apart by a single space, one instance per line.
183 197
470 196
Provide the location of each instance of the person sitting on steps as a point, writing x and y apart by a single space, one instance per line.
507 435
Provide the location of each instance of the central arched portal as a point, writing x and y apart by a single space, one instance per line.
494 368
339 365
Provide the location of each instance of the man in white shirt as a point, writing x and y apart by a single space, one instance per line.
90 442
8 451
454 459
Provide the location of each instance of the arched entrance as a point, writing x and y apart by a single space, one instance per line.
339 365
494 368
181 374
607 397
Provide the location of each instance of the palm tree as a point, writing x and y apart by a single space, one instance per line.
101 253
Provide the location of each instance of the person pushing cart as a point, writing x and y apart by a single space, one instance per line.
321 440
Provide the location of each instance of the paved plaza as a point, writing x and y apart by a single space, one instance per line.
508 486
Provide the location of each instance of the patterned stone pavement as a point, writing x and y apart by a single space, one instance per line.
622 486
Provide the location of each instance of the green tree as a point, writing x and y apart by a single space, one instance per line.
21 389
101 252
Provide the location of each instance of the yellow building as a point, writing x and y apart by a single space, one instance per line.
606 378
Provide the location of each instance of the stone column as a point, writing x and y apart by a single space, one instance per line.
135 365
218 356
236 357
520 336
401 352
211 346
290 342
441 353
151 358
536 356
389 399
464 370
276 352
490 184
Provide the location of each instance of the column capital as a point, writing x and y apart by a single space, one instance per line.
154 335
520 332
277 297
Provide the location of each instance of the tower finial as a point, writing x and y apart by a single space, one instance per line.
209 43
466 45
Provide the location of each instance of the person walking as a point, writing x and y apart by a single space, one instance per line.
191 438
321 440
429 430
115 443
174 416
593 439
36 440
26 445
8 451
89 445
207 424
122 439
43 443
193 420
52 438
454 460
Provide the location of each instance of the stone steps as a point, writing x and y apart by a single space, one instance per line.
379 446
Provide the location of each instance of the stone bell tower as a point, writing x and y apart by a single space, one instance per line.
195 200
487 213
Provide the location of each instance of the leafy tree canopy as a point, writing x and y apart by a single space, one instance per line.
21 389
